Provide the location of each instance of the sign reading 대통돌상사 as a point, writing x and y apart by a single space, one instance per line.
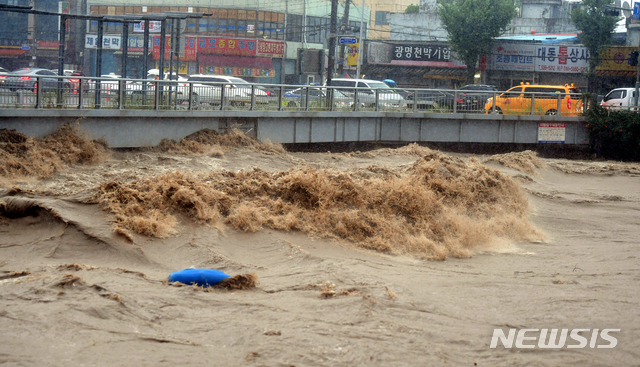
551 132
508 56
561 59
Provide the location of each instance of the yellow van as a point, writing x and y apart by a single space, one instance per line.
547 99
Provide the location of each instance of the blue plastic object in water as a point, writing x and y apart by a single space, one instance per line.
201 277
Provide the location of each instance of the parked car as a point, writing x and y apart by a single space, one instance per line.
547 99
387 97
178 86
317 98
437 99
620 99
476 95
3 77
27 78
237 90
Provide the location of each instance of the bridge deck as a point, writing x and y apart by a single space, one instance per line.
138 128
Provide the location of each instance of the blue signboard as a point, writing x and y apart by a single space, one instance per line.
348 40
636 10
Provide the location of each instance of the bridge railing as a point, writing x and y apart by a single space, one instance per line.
71 92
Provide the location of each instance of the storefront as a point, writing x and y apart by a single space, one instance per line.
617 69
411 64
512 63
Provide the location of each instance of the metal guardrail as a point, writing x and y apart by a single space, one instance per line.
55 92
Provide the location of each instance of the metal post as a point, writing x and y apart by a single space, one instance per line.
38 93
122 91
159 86
377 91
98 98
343 30
125 48
635 98
81 93
177 52
253 97
455 101
63 28
171 56
333 28
361 42
280 96
145 60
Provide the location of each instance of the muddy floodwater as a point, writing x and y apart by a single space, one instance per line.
389 257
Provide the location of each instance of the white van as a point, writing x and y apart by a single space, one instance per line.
387 97
620 99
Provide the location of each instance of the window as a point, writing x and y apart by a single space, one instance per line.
616 94
382 18
294 28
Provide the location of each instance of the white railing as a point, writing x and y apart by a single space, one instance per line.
122 93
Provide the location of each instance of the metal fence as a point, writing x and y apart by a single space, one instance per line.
119 93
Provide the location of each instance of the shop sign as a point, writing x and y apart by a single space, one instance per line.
517 57
617 58
237 71
222 46
108 42
411 54
270 49
10 43
427 52
154 26
48 45
561 59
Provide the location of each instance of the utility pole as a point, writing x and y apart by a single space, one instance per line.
332 40
343 29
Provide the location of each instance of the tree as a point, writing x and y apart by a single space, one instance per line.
412 9
472 25
596 26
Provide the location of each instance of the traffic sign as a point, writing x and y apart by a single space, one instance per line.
348 40
636 10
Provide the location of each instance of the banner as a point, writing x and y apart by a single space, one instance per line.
561 59
136 43
270 49
412 54
236 71
353 52
617 58
154 26
510 56
222 46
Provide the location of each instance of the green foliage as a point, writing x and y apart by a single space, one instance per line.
412 9
614 134
596 31
472 25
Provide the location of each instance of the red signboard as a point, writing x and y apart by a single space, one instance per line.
227 46
48 44
221 46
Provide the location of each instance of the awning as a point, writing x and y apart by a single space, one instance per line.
12 52
616 73
235 61
425 72
132 53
